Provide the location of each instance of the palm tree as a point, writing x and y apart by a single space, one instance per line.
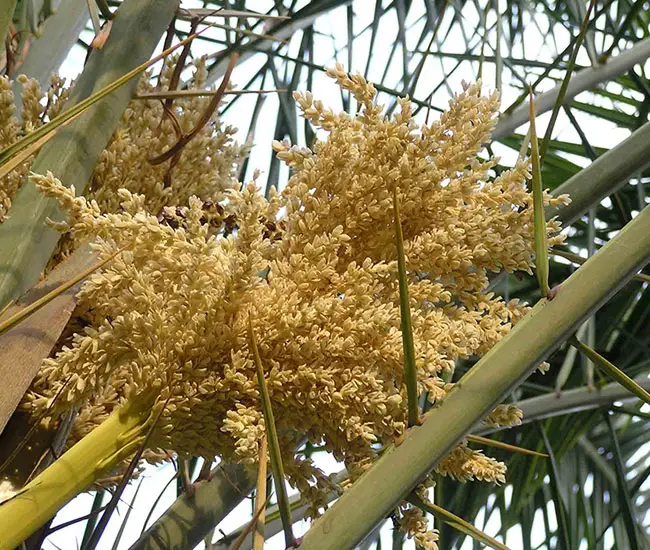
586 67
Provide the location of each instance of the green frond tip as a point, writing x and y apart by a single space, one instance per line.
273 443
611 370
410 372
456 522
541 238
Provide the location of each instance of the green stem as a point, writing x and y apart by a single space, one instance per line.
113 441
410 371
541 236
611 370
273 444
515 357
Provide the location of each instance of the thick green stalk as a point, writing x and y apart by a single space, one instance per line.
187 521
545 327
603 176
26 243
114 440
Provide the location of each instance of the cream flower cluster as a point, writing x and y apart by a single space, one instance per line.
315 268
504 416
206 168
33 114
413 521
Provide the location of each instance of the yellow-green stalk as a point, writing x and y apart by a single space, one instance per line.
117 438
260 498
273 443
410 372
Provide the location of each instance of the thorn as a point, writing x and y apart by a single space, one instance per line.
553 292
400 439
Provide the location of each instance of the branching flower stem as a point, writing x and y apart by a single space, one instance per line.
113 441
